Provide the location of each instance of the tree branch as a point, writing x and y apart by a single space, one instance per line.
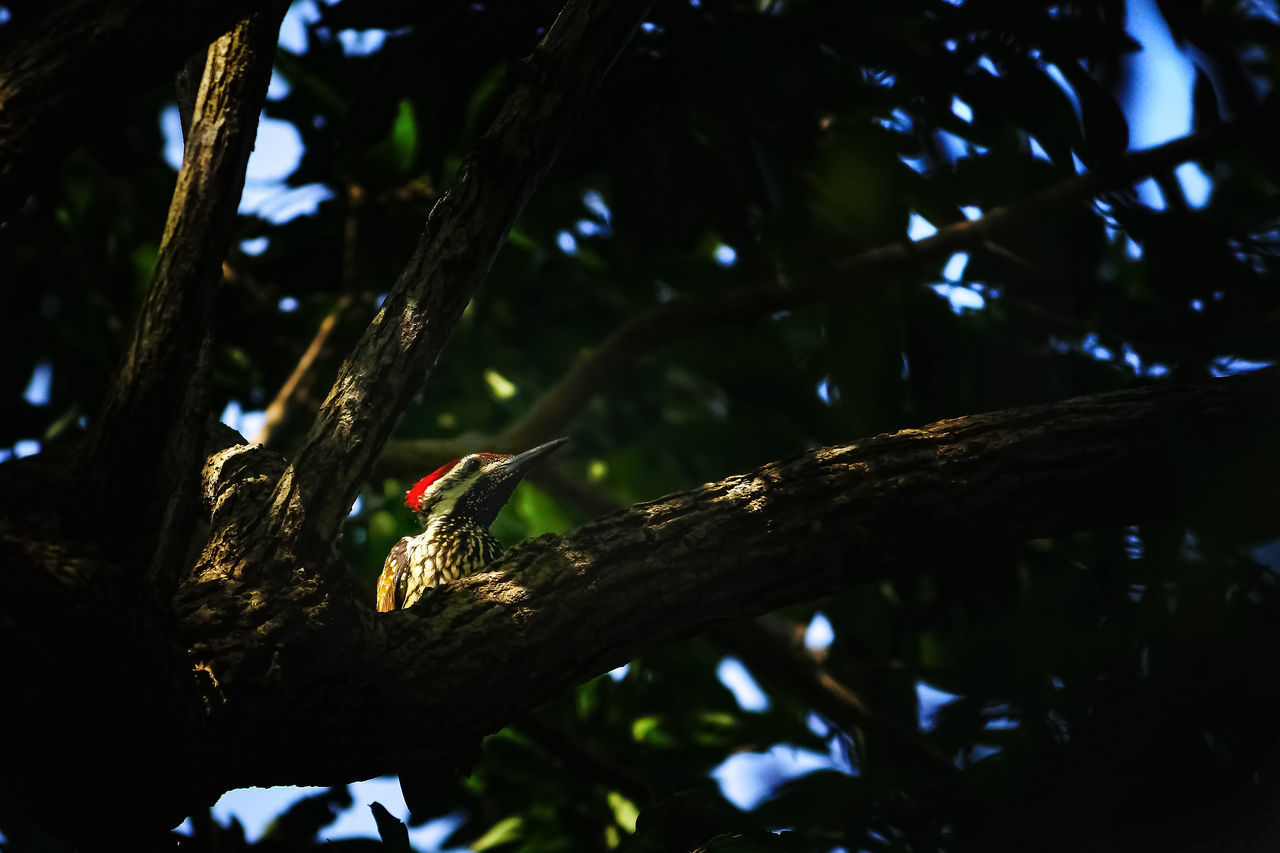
61 75
300 377
295 386
155 398
668 322
463 233
317 666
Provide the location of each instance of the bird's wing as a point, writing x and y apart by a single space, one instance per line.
395 574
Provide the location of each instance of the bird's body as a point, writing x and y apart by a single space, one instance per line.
456 504
447 550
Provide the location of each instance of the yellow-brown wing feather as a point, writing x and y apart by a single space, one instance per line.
391 582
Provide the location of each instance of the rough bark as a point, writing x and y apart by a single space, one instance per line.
290 666
257 676
269 667
91 657
268 544
157 398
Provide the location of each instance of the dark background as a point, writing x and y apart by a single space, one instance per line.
1061 691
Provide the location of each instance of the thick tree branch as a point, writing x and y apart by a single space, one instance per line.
463 233
99 688
62 76
155 398
556 611
671 321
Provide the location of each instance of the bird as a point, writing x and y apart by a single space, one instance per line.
456 503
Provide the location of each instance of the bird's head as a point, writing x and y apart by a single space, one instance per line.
474 486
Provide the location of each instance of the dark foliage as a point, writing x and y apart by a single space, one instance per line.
1107 683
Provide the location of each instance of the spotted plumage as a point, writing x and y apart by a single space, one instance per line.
456 503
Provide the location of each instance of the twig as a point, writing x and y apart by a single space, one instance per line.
663 324
1123 172
776 661
291 391
1035 274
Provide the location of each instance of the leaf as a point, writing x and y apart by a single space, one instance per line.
505 831
624 811
404 136
1106 130
394 834
303 820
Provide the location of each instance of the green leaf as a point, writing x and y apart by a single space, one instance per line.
504 831
404 136
624 811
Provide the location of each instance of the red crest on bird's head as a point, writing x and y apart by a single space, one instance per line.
414 494
413 497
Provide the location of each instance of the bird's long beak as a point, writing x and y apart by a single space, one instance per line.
520 464
501 478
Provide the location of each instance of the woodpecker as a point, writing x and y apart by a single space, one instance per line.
456 503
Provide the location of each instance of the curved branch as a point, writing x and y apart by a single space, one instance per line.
558 610
671 321
463 233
